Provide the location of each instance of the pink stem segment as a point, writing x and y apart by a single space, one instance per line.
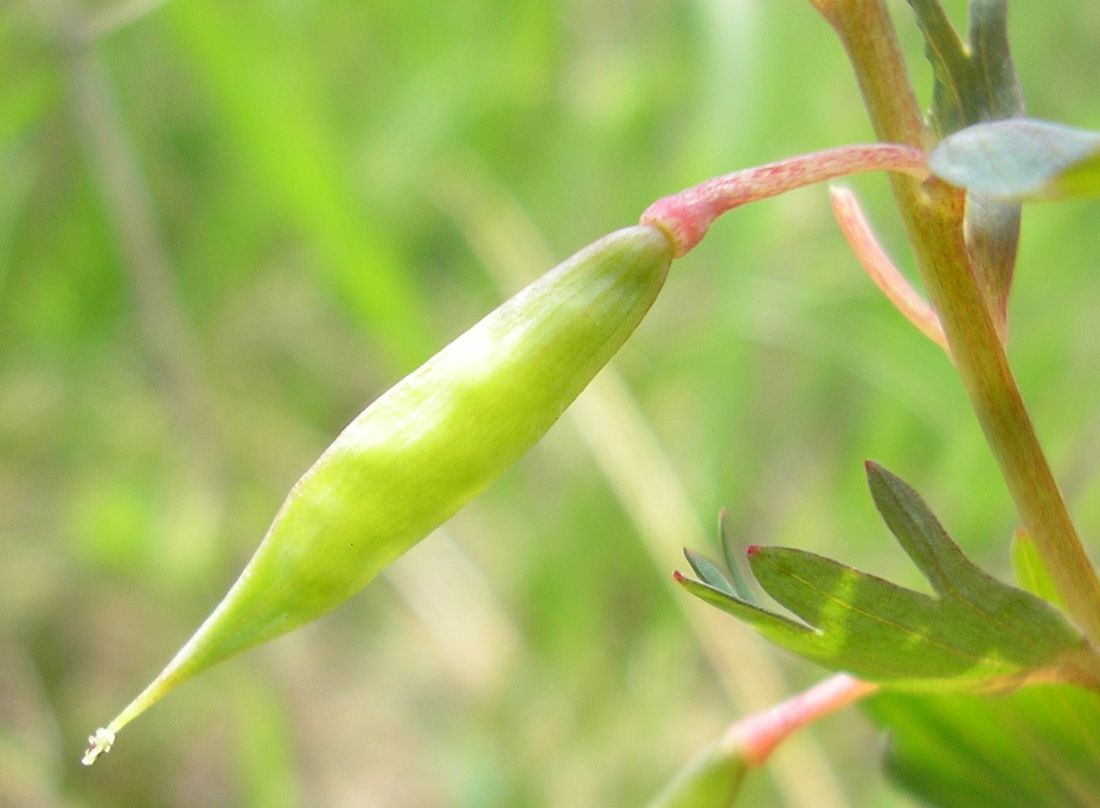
877 264
686 216
757 736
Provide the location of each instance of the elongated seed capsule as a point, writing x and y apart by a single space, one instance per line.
425 448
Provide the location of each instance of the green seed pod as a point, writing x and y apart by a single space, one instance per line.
425 448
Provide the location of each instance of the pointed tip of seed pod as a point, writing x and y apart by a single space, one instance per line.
752 550
678 576
99 743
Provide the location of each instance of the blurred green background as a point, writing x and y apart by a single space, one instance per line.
226 227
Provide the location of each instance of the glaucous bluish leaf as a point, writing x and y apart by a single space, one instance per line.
709 572
730 552
976 81
1020 159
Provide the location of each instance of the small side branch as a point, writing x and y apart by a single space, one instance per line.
877 264
687 215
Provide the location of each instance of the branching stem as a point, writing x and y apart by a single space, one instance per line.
933 214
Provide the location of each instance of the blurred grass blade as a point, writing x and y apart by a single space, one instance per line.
1021 159
268 104
1035 748
1031 572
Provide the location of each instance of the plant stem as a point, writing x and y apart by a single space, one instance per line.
853 224
933 214
685 216
714 777
756 737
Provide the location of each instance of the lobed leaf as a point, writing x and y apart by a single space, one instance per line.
781 630
974 633
1016 614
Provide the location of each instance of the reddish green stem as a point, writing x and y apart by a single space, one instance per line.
933 215
714 777
686 216
853 224
756 737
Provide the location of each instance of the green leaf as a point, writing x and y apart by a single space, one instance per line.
973 633
1020 159
738 577
779 629
708 572
1035 748
947 55
975 82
